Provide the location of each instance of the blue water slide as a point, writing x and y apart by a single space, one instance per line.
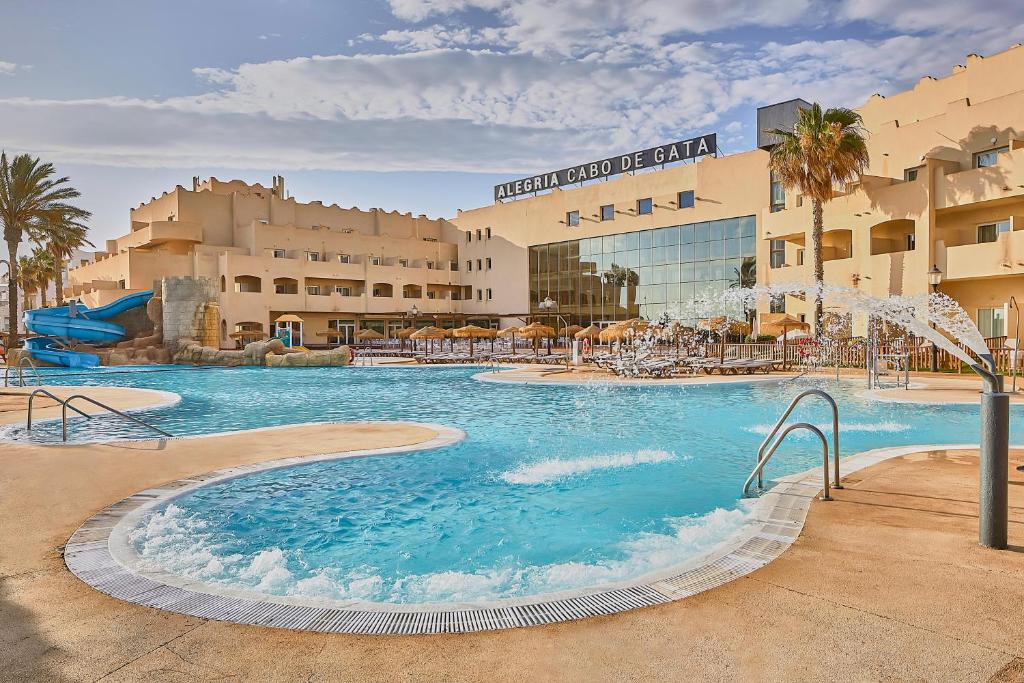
79 323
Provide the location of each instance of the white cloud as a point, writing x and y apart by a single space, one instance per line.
7 68
944 16
546 84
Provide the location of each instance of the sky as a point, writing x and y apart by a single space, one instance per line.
424 105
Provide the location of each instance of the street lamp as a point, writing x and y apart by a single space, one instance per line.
547 305
935 279
412 313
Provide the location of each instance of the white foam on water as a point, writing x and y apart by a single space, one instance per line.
178 542
883 426
553 469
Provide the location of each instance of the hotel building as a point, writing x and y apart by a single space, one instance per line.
945 188
340 270
640 234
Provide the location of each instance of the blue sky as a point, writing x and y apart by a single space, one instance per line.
423 105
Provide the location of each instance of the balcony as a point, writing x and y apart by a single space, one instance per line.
1001 183
1005 256
161 232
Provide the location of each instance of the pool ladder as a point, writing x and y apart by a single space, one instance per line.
768 446
66 403
19 370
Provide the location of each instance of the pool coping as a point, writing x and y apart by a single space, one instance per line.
99 554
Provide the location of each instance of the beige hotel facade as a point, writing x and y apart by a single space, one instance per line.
945 188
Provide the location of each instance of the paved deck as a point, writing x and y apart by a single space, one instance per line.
887 582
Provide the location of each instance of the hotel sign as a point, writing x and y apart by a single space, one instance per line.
655 156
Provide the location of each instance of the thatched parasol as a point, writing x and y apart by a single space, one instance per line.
405 332
510 332
592 332
535 331
289 318
368 335
724 323
571 330
475 332
429 332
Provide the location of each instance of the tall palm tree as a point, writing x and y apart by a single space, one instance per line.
28 189
825 148
43 264
27 280
64 233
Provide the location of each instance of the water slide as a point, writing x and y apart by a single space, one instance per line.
66 325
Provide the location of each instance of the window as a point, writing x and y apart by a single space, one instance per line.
608 212
910 174
429 265
799 257
777 303
488 260
685 199
989 232
313 289
279 253
375 260
644 206
454 266
489 297
312 256
479 234
479 295
343 291
344 258
469 236
487 232
378 291
911 242
777 253
479 264
989 157
778 194
992 322
469 265
431 294
572 219
403 262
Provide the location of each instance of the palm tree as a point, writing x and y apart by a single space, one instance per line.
27 190
825 148
746 278
27 279
64 233
43 264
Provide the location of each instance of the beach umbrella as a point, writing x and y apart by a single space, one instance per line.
510 332
368 335
472 332
404 334
570 331
429 332
591 332
535 331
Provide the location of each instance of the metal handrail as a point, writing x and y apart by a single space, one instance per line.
69 399
782 420
826 495
44 392
20 367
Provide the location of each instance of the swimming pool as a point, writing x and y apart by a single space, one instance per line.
554 489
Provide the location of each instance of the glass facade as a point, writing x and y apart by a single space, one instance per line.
643 273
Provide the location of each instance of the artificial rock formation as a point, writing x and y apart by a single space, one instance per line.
271 352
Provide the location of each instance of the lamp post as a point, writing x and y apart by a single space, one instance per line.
1016 341
547 305
935 279
411 313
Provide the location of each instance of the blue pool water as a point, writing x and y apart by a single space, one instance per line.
554 487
